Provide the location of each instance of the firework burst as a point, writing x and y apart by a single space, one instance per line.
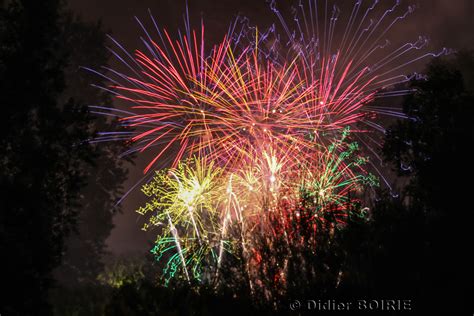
258 133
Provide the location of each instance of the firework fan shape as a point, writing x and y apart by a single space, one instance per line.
347 63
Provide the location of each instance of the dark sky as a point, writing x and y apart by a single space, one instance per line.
448 23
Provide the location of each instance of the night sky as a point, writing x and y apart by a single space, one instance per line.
448 23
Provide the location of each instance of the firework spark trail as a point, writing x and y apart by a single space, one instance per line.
189 103
350 64
359 41
203 104
166 111
249 199
188 197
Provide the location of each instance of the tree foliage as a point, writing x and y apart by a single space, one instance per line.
84 43
433 149
46 159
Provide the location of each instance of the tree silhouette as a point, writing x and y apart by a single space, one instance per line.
46 159
432 147
85 44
